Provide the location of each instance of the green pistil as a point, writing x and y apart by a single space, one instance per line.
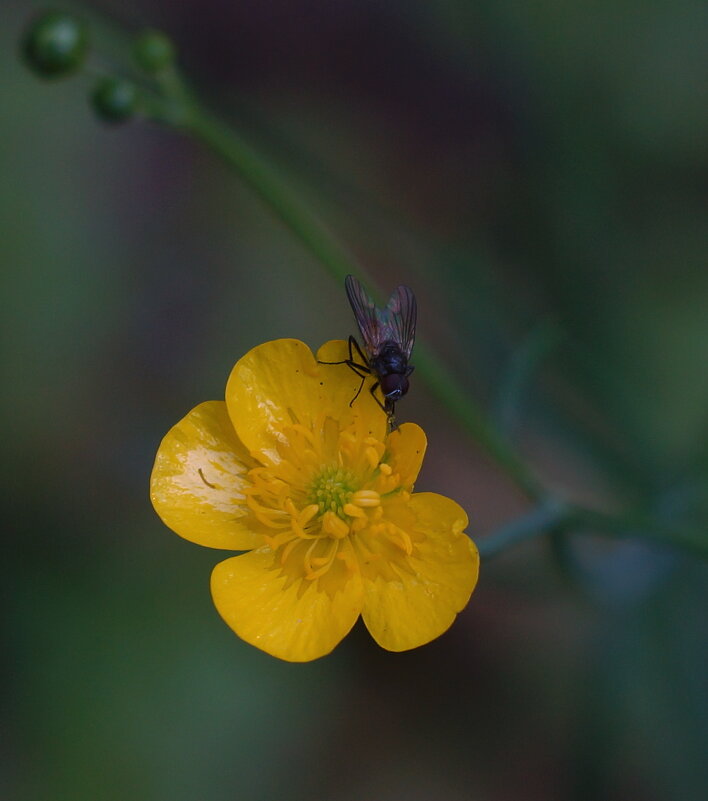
332 489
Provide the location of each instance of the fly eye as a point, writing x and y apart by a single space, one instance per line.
394 386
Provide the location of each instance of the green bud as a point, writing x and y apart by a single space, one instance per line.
154 51
55 44
114 99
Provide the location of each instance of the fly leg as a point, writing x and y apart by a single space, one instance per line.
385 408
350 362
362 370
360 353
358 392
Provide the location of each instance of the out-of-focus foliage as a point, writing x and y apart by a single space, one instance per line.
519 165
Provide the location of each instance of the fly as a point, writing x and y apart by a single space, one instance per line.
388 335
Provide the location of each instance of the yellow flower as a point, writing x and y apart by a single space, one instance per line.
320 495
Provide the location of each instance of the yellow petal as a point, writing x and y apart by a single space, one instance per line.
197 480
405 449
280 382
420 598
343 383
292 620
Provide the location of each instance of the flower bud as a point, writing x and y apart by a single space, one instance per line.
154 51
55 44
114 99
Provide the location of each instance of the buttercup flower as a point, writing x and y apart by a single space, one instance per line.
320 496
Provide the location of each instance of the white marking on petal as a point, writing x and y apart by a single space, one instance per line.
221 469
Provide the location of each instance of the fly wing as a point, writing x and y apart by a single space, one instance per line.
373 328
399 318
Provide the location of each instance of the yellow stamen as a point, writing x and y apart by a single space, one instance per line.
307 559
359 523
265 515
323 562
353 511
386 469
388 483
366 498
346 554
372 457
334 525
288 549
298 530
305 432
307 514
276 540
400 538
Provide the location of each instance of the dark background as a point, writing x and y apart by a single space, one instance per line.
526 167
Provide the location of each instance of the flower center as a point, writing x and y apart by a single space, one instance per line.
331 489
322 504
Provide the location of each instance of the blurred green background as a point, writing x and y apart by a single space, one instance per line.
526 168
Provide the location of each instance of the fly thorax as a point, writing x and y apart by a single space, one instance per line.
390 360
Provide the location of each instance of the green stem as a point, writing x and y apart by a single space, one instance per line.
176 107
694 540
302 221
552 514
517 378
548 515
266 182
289 207
475 420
